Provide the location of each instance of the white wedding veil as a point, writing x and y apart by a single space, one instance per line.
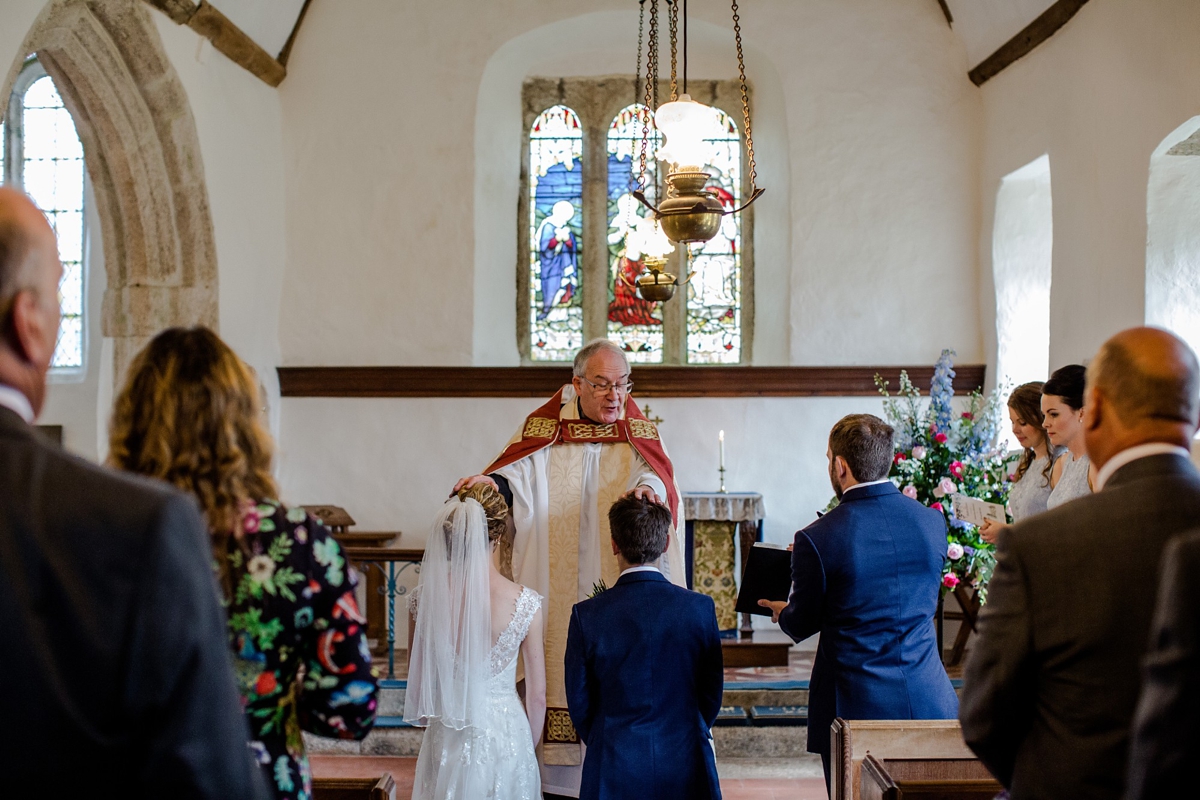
448 667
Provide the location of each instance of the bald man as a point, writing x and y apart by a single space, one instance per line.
1051 684
114 662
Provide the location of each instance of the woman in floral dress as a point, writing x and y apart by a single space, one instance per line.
189 415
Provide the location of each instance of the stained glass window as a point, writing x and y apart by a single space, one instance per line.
555 235
46 161
635 324
714 296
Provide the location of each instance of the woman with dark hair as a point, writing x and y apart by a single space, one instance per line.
1062 403
189 415
1031 482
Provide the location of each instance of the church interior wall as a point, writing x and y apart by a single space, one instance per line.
402 230
1098 97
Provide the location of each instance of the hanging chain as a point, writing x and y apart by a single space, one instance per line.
637 93
737 35
674 5
651 78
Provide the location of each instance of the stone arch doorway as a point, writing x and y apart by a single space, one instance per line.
143 157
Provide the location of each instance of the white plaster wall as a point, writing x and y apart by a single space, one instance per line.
1021 253
1098 97
1173 239
402 140
392 463
238 121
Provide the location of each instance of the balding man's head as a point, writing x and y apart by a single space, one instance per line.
29 311
25 237
1143 385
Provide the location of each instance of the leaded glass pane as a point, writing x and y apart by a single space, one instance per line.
714 296
555 235
52 174
633 323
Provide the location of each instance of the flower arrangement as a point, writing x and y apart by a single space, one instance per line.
941 452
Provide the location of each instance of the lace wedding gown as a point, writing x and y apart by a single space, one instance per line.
494 760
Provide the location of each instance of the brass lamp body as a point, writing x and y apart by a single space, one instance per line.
689 213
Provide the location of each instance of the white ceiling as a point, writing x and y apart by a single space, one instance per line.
268 22
985 25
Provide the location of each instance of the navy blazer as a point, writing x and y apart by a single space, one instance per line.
867 577
644 679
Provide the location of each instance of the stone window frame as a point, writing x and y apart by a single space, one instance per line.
14 143
597 101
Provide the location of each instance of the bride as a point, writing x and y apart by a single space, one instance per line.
470 623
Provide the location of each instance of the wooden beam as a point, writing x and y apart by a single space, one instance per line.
649 381
231 40
1026 41
286 52
946 11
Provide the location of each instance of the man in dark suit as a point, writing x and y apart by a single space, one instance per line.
114 665
1051 682
867 577
1166 727
643 672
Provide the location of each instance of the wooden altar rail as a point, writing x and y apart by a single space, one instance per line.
649 381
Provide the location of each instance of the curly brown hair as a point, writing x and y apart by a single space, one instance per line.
494 507
1026 401
189 415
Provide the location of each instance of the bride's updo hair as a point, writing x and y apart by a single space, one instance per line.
494 507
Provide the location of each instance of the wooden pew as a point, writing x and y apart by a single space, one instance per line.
853 740
383 788
927 779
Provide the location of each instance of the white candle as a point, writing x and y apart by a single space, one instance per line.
721 443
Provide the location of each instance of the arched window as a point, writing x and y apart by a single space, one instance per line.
1172 235
577 208
41 154
555 234
1022 248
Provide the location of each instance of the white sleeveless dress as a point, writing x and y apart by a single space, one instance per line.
495 760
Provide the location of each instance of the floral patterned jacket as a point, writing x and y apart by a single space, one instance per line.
299 642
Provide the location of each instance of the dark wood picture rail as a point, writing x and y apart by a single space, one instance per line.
649 381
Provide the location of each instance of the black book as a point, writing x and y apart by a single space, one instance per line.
768 576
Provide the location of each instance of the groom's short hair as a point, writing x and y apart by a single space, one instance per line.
639 528
865 441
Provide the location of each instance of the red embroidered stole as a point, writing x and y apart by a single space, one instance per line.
545 427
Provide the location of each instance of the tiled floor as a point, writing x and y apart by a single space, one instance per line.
327 766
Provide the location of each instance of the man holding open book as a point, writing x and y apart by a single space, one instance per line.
866 576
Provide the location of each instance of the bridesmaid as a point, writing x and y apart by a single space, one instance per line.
1062 403
1031 481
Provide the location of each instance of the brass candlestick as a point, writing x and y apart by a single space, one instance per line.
722 490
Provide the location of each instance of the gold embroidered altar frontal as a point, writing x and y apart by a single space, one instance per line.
713 567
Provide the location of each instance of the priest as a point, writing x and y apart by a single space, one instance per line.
566 465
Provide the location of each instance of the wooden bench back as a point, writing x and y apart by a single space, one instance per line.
383 788
852 740
926 779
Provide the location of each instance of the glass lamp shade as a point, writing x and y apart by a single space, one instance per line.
685 124
646 241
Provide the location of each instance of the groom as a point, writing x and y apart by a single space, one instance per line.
644 673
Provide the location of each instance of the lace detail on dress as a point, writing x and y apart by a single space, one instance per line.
505 649
414 600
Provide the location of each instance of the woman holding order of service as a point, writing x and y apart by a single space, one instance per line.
1031 481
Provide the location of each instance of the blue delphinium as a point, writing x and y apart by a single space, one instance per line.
941 393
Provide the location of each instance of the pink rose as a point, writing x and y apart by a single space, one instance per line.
941 438
945 486
936 506
909 491
954 552
949 580
956 469
918 453
968 415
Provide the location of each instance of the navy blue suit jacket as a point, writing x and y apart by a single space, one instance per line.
644 679
867 577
